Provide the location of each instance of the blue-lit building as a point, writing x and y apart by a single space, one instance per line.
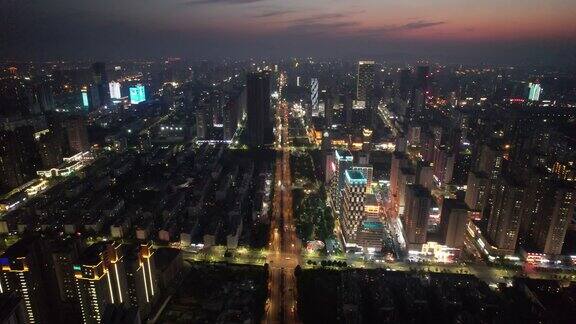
534 91
137 94
85 101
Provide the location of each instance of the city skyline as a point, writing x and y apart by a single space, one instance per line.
286 162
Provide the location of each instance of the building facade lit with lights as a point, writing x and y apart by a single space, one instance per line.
353 205
343 160
115 92
100 279
137 94
20 273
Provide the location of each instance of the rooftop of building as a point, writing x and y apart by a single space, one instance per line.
91 255
355 176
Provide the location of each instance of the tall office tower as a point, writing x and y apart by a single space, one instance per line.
230 122
353 204
259 118
453 221
346 103
506 215
12 309
554 215
314 95
19 158
406 177
141 277
443 164
329 102
94 102
101 83
405 84
490 162
100 279
44 96
418 200
115 92
77 134
85 98
477 191
50 149
342 161
422 81
399 161
367 171
137 94
21 273
462 165
202 122
365 80
534 91
538 185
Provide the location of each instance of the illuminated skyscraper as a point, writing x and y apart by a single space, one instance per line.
115 90
342 161
534 91
365 80
21 273
85 100
137 94
141 277
353 204
314 95
100 279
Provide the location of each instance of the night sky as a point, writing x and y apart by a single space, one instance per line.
449 30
